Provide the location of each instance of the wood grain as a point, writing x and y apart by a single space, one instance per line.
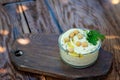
4 2
101 15
7 71
7 1
36 17
23 19
112 13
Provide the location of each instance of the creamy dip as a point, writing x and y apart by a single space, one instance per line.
78 49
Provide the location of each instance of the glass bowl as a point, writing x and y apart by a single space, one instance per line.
81 61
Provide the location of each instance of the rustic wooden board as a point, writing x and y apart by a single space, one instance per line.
41 56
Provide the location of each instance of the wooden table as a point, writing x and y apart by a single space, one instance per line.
57 16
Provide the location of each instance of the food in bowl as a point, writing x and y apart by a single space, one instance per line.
80 47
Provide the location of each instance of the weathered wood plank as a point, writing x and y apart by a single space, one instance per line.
7 71
91 14
14 17
44 19
24 23
29 11
4 56
12 1
21 13
34 15
112 12
7 1
79 13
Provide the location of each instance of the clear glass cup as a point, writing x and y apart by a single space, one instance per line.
76 61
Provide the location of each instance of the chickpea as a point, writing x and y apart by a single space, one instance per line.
78 43
76 32
80 36
71 35
84 44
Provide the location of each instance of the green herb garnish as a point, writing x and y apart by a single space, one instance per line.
93 36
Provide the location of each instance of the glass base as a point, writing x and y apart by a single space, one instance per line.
80 67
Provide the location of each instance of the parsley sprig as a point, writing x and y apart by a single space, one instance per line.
93 36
